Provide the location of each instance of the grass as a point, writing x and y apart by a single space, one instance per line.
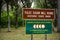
19 34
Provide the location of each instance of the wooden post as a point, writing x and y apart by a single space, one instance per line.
31 36
45 36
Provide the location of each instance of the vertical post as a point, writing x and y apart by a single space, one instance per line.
45 4
45 36
0 17
31 36
8 18
16 18
58 20
0 13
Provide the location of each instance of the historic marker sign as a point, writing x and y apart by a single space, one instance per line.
38 26
38 21
38 13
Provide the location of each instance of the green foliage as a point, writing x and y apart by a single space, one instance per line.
4 19
39 4
52 3
15 6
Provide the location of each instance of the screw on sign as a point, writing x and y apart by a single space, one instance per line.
39 26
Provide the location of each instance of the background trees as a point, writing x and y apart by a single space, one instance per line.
12 9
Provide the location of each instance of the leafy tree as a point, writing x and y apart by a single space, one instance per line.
51 3
7 2
26 3
1 1
38 4
16 13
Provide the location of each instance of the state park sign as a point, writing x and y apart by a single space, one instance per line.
29 13
38 26
38 21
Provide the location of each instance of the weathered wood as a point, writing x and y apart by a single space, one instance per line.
31 36
46 37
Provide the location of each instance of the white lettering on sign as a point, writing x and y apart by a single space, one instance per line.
36 12
43 13
31 15
47 16
39 26
41 16
28 12
49 13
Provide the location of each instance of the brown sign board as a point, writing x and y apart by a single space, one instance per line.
29 13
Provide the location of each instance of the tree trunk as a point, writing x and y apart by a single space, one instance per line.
16 14
28 3
0 17
45 4
16 19
8 18
58 15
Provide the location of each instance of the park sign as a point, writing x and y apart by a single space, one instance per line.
30 14
38 26
38 21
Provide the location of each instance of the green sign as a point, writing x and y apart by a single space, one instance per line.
38 26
